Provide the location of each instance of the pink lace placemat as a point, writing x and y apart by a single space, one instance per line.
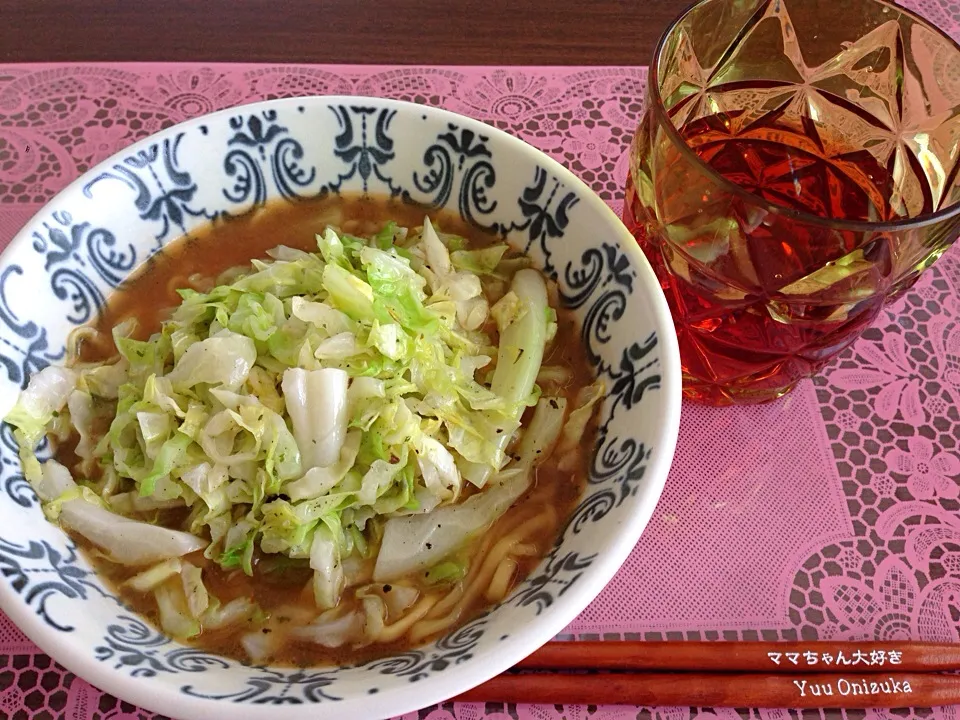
831 514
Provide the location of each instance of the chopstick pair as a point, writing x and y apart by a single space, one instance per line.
731 674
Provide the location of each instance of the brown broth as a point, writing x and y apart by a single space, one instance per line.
149 296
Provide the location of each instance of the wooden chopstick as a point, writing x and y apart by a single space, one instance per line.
897 690
732 674
768 657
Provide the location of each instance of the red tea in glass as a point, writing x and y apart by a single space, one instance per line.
787 180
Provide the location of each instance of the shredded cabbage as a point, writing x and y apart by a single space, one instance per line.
44 398
151 577
328 407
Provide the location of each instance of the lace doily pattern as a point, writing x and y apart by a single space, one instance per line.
55 123
870 545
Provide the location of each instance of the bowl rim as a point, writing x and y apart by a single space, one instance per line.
166 697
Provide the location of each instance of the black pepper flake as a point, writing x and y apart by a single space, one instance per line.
553 404
387 588
430 545
499 430
266 631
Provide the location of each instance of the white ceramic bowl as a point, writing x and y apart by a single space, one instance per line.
66 261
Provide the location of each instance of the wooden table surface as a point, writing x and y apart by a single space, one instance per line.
471 32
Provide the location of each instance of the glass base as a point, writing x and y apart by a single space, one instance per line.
703 393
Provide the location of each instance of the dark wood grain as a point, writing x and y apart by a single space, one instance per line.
493 32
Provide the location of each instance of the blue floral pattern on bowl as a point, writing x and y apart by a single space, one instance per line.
59 271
